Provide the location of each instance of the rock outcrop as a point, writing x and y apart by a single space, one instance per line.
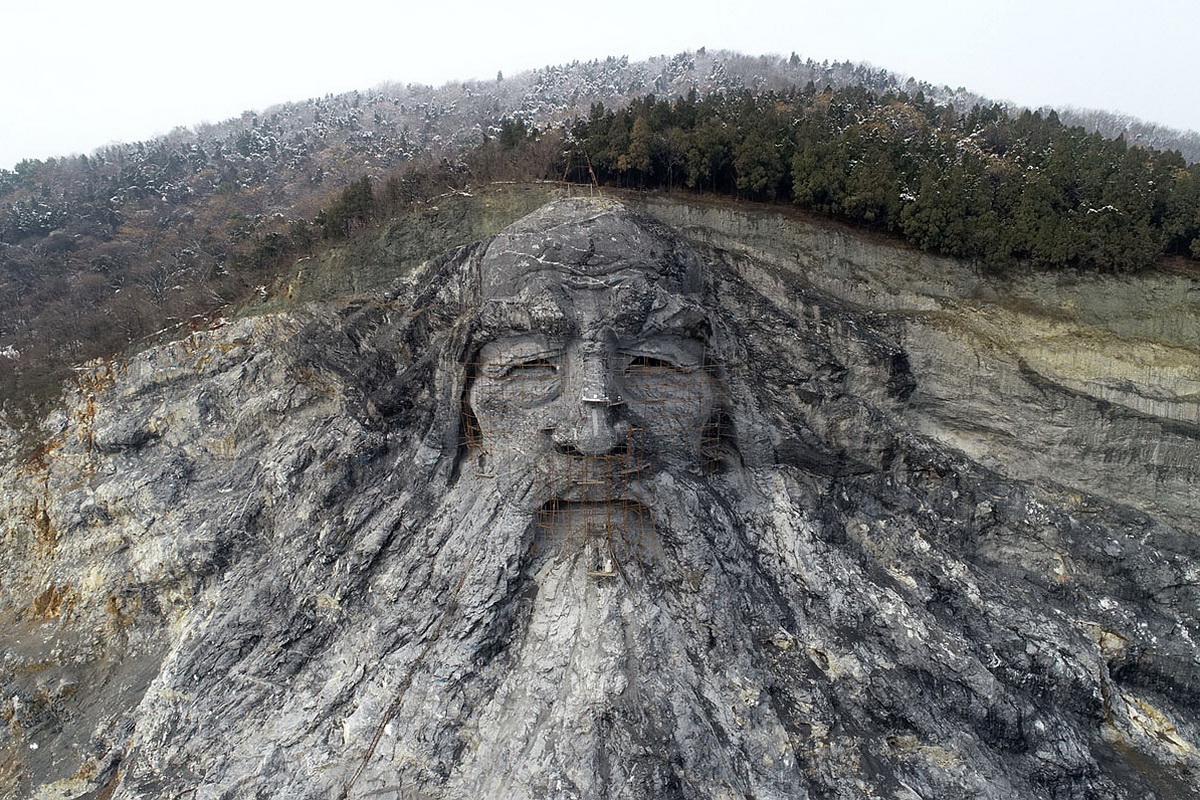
591 510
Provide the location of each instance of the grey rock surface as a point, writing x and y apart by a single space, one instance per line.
591 510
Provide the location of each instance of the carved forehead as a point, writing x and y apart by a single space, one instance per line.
628 309
587 243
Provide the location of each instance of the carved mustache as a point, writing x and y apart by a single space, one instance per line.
607 478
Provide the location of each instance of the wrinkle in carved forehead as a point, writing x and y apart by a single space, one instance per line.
585 243
634 308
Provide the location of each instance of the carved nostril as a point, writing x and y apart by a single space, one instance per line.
620 449
593 432
592 444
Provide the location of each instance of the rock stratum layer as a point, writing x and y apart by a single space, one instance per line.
592 510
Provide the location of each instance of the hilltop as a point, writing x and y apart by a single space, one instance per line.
102 252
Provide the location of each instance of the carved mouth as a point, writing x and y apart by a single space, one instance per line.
603 535
607 514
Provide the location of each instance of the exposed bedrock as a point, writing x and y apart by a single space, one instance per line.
598 509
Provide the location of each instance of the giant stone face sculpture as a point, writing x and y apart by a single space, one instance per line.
597 379
578 512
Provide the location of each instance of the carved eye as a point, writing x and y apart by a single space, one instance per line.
535 368
643 365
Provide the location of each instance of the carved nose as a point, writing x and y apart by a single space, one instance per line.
593 430
592 424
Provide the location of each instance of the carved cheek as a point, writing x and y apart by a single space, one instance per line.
673 415
511 413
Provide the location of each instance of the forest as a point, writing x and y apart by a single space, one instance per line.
1000 189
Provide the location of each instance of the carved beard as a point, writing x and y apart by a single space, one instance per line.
576 667
497 665
745 647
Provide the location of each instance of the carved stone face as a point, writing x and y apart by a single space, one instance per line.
597 376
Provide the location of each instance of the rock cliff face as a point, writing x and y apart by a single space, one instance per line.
592 510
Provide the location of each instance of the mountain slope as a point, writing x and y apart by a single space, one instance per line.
923 548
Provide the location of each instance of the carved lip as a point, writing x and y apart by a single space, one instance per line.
563 504
594 493
601 514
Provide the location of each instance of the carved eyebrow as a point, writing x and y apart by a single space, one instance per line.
681 351
515 310
523 357
524 323
517 350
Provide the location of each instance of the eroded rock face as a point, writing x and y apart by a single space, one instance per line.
576 512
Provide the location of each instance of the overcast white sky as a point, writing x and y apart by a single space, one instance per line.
78 74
